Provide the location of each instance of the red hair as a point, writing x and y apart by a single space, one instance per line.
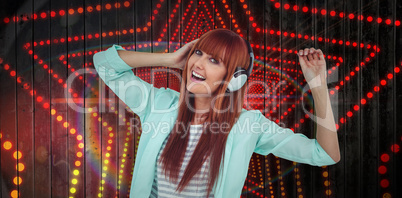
232 49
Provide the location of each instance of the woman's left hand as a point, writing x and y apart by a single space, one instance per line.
313 64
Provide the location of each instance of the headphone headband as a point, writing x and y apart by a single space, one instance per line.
241 75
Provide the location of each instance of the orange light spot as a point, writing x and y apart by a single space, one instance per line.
108 6
71 11
20 167
17 180
90 8
79 154
79 137
81 145
98 7
14 194
65 124
72 131
17 155
80 10
77 163
126 3
59 118
7 145
53 111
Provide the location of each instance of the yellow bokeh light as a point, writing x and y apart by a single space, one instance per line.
107 154
17 180
20 167
14 194
59 118
76 172
74 181
105 168
79 137
103 181
79 154
110 128
104 123
7 145
77 163
72 190
81 145
99 119
101 188
100 195
65 124
103 174
90 110
95 114
72 131
111 134
53 111
108 148
325 174
106 161
17 155
328 192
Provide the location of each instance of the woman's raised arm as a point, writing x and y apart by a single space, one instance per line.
145 59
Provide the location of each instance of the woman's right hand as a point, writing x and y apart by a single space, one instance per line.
179 57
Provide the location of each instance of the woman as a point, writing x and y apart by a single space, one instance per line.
209 140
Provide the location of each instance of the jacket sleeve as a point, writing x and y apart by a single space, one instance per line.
137 94
284 143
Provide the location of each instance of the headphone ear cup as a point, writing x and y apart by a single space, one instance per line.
238 80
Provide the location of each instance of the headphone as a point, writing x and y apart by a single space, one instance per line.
241 75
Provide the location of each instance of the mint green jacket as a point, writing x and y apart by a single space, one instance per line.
157 110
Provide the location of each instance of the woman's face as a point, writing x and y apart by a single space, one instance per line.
205 73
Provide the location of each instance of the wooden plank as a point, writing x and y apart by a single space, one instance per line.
40 138
305 27
253 31
8 109
59 141
75 129
335 30
272 40
161 22
173 39
288 26
386 40
109 152
125 139
370 158
397 181
351 97
92 161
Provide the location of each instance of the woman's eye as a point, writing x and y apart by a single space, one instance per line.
214 61
198 52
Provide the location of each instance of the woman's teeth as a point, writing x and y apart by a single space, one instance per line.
198 76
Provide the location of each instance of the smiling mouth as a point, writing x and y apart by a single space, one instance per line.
197 77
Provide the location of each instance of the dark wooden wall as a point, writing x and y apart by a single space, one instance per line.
49 149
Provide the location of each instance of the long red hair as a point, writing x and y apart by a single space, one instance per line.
232 49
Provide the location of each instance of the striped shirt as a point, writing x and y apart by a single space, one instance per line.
198 185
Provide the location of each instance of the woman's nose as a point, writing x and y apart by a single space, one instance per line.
200 63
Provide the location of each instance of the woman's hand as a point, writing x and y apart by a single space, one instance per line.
179 57
313 65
